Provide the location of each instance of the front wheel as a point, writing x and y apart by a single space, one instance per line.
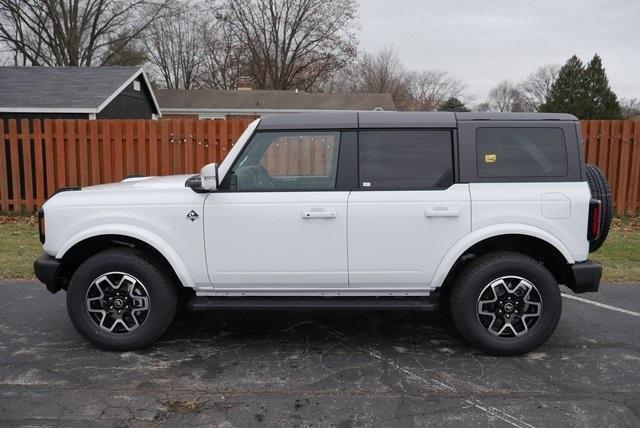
121 299
506 303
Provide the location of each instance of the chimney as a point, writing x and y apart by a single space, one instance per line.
244 83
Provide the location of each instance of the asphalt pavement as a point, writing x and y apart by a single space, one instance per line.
318 369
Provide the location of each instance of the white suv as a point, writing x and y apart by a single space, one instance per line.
378 210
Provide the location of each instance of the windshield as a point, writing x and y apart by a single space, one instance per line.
237 147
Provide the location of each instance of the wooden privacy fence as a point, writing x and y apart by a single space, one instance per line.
614 146
38 157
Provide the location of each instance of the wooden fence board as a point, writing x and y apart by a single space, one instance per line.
39 162
623 177
118 150
187 145
592 146
107 160
72 161
83 153
165 148
604 136
94 142
634 179
141 144
199 146
614 159
153 148
4 179
50 165
15 164
59 154
27 172
128 150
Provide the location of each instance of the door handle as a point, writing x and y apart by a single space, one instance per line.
319 214
441 212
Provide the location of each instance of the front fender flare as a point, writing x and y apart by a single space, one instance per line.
139 233
487 232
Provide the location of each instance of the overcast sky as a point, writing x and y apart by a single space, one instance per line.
485 41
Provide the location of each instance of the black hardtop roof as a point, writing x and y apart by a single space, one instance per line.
386 119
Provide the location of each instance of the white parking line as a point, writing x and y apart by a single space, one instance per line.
602 305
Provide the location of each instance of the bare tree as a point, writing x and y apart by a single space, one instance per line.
536 88
121 51
630 107
383 73
223 59
506 97
73 32
430 89
482 107
174 46
292 43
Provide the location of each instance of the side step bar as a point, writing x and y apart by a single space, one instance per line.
203 303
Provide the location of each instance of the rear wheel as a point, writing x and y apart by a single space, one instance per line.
506 303
121 299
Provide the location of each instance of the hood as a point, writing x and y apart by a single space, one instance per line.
164 182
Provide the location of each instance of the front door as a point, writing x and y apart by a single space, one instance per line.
407 212
278 221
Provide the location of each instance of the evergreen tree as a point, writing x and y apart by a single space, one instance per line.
602 102
583 91
453 104
568 91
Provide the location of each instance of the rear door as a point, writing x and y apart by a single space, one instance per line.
407 211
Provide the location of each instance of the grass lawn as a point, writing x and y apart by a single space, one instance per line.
19 246
620 254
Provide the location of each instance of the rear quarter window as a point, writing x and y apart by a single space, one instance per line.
521 152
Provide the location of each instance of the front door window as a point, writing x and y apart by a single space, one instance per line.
287 161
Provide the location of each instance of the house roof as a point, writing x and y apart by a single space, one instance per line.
64 89
259 100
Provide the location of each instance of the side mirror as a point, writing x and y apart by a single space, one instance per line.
209 177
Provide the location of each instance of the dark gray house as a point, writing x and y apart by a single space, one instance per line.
213 104
76 93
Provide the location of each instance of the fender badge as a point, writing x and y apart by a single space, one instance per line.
193 216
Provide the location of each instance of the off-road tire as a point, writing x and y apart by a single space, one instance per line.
600 190
156 279
469 285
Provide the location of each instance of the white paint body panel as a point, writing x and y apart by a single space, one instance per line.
152 210
277 240
527 203
398 238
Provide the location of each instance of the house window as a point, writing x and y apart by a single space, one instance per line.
136 85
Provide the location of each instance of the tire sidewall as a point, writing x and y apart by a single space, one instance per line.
161 302
466 318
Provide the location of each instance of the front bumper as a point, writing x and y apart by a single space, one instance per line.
47 270
585 277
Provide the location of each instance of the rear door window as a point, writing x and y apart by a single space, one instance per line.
405 159
521 152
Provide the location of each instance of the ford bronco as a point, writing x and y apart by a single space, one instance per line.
483 214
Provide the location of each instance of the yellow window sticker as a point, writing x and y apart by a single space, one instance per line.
490 158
